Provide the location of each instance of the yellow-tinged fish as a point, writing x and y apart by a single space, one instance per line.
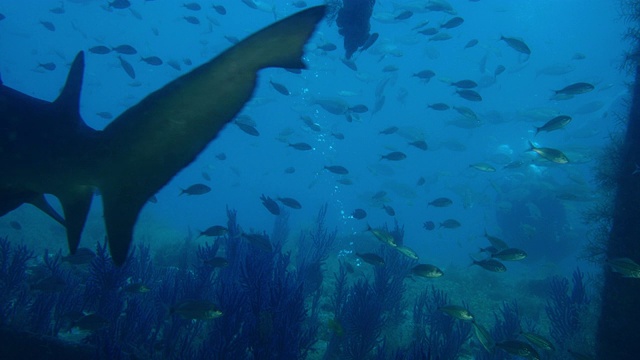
538 341
457 312
519 348
556 123
196 310
427 271
483 167
408 252
484 336
625 266
550 154
383 236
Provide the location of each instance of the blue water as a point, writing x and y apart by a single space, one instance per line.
517 205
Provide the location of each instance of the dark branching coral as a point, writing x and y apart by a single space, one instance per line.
565 308
362 321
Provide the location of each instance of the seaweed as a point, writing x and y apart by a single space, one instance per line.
565 308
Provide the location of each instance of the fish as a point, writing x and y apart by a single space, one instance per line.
260 240
440 37
370 258
517 44
550 154
359 214
337 169
290 202
48 25
538 341
424 74
519 348
439 106
389 210
427 271
127 67
394 156
490 264
450 224
327 46
338 135
100 49
302 146
470 95
105 115
360 108
404 15
429 31
195 189
196 310
556 123
120 4
457 312
499 70
496 242
219 9
142 149
471 43
82 256
47 66
15 225
192 20
205 175
125 49
280 88
214 231
384 236
483 336
152 60
217 262
389 130
464 84
50 284
429 225
408 252
270 204
624 266
483 167
452 23
136 288
174 64
420 144
91 322
509 254
310 123
194 6
575 89
441 202
247 129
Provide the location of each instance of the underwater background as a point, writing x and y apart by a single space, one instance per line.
432 124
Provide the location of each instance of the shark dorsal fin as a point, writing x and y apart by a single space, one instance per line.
69 98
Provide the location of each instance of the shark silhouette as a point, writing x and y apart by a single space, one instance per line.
46 147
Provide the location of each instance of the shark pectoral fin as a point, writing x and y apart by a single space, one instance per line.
282 43
121 210
75 204
41 203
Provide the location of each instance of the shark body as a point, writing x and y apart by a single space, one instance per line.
46 147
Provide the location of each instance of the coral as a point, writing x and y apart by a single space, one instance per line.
13 265
362 321
564 308
435 330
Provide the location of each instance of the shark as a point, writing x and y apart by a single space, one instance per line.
47 148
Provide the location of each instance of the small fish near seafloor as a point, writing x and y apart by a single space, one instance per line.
141 150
